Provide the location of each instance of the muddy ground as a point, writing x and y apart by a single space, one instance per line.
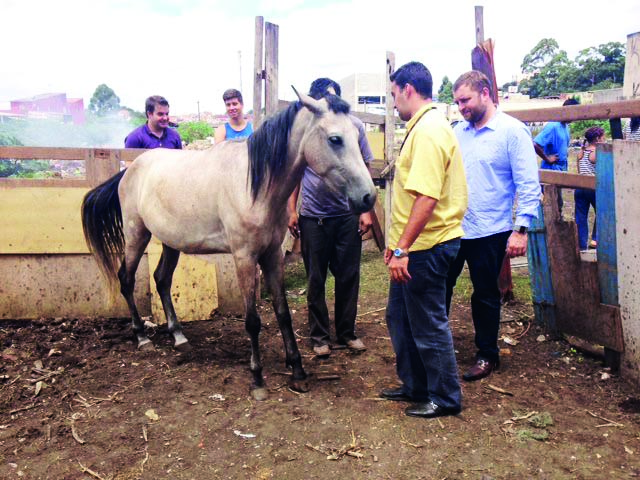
77 401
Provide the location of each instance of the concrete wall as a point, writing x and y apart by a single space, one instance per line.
627 188
631 88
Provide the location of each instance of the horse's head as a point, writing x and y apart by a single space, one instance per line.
330 148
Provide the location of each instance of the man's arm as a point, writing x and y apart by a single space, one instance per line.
292 211
524 170
421 212
366 218
221 134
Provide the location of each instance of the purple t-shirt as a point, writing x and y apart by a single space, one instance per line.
142 137
318 201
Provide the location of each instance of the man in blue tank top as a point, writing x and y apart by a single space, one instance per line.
330 239
237 126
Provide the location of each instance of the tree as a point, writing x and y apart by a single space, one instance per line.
190 131
551 72
104 101
445 92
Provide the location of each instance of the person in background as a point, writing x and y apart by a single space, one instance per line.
631 130
330 239
552 143
583 197
499 162
237 126
429 200
155 133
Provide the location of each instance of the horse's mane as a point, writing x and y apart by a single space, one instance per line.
268 144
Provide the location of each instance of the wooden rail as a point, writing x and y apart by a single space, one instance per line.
100 164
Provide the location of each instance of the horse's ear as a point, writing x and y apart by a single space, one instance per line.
316 106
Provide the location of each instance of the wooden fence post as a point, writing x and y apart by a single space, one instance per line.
389 144
271 69
258 72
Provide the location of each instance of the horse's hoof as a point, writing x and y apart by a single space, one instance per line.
146 346
301 386
259 394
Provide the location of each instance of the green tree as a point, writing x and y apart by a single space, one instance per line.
551 72
104 101
445 92
190 131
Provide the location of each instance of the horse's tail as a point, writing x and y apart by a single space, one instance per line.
102 226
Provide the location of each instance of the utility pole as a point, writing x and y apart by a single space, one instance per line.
240 67
198 110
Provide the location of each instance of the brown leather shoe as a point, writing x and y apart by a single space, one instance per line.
481 369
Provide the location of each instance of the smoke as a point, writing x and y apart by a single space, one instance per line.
97 132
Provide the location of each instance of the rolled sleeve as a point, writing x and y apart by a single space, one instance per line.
524 168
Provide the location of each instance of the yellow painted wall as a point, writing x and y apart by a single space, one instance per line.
45 269
376 142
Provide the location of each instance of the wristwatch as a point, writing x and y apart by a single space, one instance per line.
521 229
400 253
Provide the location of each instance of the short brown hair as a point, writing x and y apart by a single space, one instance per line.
475 80
232 93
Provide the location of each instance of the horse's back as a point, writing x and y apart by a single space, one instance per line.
184 197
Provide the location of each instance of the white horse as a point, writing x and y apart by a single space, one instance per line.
231 198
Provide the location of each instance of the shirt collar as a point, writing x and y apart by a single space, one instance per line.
492 124
418 115
150 133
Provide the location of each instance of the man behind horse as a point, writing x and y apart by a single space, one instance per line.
331 238
155 133
237 126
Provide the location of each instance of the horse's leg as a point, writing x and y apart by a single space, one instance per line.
163 277
134 250
273 269
246 271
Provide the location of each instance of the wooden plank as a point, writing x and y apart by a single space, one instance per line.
596 111
271 68
479 24
258 72
568 180
41 220
389 144
43 182
540 274
606 225
101 164
36 286
575 283
43 153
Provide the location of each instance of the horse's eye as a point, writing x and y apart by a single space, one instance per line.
335 140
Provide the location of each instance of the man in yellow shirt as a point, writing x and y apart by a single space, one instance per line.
429 201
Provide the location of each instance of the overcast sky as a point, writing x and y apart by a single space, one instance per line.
188 50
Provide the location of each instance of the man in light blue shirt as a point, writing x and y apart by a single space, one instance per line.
500 162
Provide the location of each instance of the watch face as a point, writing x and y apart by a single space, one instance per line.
397 252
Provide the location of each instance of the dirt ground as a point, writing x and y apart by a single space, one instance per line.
77 401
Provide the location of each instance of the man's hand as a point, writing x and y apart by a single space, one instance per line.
517 245
293 225
552 158
398 267
366 221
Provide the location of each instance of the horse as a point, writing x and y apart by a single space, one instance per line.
231 198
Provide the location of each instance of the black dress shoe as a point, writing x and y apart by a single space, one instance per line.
481 369
396 394
430 410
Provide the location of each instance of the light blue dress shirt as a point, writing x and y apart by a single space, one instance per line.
499 161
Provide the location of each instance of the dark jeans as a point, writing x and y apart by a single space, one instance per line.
584 199
332 243
419 328
484 257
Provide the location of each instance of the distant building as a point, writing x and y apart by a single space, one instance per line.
51 106
365 92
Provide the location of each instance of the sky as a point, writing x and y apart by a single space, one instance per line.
190 51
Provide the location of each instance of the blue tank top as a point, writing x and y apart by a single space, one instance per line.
244 133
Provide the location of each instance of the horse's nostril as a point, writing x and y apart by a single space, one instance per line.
367 200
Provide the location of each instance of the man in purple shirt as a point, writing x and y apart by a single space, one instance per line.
330 239
156 132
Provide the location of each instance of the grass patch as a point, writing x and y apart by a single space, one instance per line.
374 279
521 288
